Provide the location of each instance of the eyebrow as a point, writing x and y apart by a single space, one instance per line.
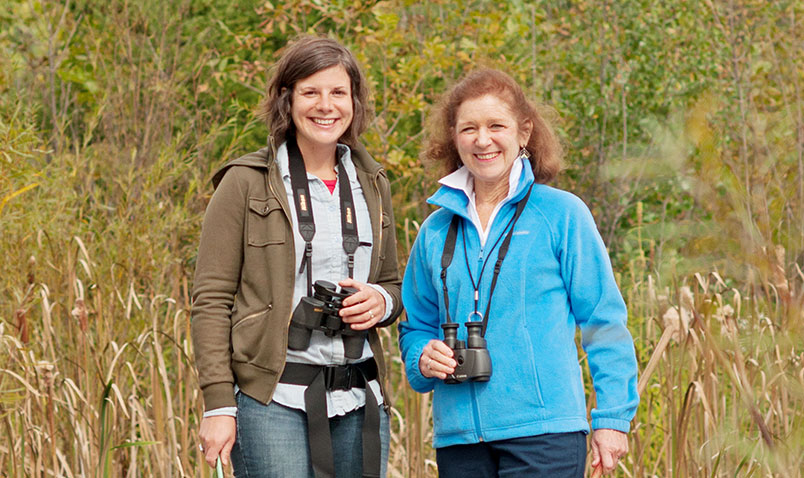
489 120
311 87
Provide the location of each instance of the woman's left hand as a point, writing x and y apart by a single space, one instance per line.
607 448
364 308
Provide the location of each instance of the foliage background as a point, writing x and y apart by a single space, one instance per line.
684 128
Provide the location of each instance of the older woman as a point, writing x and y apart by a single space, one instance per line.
493 331
291 385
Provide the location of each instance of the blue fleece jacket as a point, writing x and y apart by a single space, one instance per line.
557 276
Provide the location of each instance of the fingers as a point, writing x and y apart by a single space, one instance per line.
608 461
217 437
226 452
363 309
608 446
210 456
595 454
436 360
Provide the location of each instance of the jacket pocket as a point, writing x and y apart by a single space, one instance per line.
247 335
266 222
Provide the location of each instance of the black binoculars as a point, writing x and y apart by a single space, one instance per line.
320 312
474 361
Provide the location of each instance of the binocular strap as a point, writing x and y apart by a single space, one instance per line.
449 251
304 211
315 403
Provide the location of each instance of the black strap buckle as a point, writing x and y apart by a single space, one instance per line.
339 377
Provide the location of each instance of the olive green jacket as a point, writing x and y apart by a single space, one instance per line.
245 271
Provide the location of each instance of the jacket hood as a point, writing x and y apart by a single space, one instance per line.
262 159
456 200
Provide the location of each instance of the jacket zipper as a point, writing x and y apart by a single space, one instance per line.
379 240
476 412
287 216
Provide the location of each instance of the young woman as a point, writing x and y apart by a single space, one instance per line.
508 268
312 206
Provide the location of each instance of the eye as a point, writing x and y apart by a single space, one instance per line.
339 93
467 130
497 127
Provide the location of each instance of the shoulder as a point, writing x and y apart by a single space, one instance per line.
249 167
434 228
363 160
555 204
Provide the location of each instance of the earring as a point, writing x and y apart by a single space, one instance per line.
524 153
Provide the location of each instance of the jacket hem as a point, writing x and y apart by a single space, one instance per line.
256 382
563 425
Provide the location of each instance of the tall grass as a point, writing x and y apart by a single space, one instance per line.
111 122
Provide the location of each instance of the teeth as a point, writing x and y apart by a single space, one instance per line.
486 155
323 122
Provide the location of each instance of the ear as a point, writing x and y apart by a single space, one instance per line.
525 130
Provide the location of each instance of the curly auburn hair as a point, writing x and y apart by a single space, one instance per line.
306 56
543 145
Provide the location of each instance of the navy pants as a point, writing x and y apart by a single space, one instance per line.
554 455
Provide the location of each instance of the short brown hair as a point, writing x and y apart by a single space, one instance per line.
306 56
544 147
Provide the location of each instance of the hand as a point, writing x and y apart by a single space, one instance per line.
607 448
436 360
364 308
217 436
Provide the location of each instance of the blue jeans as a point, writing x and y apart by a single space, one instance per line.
272 441
554 455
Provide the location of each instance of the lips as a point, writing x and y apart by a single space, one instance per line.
323 121
487 156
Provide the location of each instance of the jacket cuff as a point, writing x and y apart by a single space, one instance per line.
219 395
611 423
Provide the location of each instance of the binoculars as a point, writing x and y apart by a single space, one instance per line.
474 361
320 312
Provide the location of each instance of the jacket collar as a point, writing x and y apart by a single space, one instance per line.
452 195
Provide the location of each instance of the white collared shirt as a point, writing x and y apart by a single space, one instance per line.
463 180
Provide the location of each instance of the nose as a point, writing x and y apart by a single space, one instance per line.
324 103
483 137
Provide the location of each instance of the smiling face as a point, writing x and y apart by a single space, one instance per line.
322 107
488 138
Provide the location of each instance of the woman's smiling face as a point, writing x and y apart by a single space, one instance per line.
488 138
322 107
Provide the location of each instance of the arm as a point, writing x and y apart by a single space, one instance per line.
388 277
217 277
601 314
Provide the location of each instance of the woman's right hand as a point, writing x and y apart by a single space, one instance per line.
217 436
436 360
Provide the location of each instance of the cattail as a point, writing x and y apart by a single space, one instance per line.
779 277
80 313
22 325
31 275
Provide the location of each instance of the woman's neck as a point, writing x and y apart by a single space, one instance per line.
490 193
319 160
487 196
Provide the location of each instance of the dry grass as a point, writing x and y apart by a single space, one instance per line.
104 178
97 378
